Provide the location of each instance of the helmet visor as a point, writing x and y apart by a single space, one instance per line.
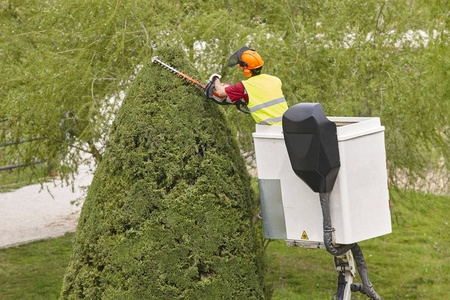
235 58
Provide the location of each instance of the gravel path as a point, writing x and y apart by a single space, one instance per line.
34 213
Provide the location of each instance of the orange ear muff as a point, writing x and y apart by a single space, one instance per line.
247 72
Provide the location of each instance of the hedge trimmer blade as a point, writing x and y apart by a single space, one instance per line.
179 73
196 83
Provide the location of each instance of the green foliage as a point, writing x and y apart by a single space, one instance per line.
357 58
168 215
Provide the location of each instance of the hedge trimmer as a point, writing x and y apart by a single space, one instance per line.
195 82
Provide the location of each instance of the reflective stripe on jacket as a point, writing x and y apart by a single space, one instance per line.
266 102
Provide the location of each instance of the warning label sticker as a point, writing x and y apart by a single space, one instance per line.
305 236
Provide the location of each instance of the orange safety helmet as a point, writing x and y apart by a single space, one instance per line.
247 59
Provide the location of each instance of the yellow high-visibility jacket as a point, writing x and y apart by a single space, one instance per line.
266 101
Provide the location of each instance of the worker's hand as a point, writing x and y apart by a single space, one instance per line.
213 77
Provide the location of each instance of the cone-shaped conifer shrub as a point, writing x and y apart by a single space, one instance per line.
168 214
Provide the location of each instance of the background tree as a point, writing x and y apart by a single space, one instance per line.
70 62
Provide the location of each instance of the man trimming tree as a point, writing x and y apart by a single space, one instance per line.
261 92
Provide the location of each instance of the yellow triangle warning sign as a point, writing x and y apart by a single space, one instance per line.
305 236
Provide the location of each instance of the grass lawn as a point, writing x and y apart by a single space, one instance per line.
36 270
411 263
15 179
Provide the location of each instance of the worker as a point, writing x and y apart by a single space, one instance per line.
261 92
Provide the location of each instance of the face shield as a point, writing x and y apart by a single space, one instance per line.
235 58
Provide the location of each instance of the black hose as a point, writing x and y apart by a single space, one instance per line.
367 287
341 287
364 273
328 229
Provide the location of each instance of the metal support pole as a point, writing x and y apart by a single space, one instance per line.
20 165
344 264
20 142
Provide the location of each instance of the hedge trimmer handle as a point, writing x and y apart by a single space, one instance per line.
238 106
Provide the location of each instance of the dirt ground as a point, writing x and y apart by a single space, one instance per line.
35 212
